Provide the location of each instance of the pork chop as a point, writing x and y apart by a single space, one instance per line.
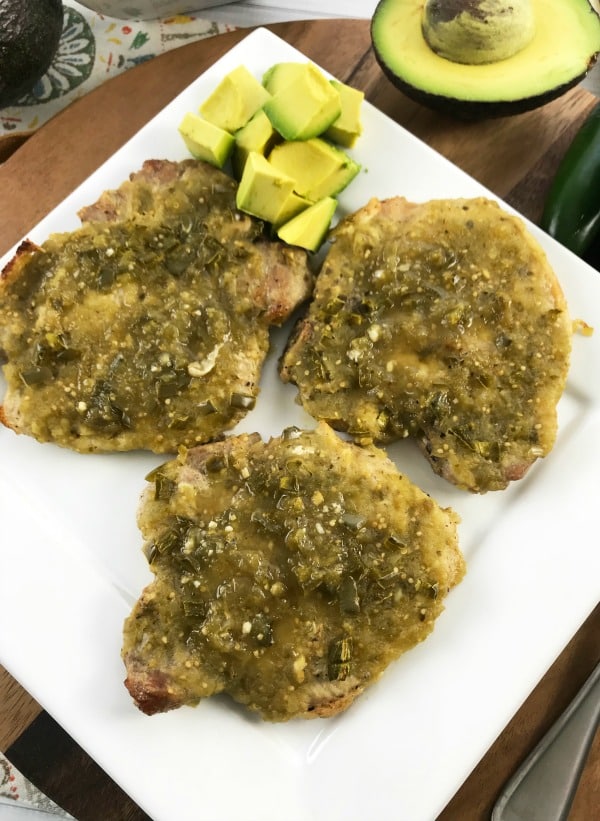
147 326
288 574
442 321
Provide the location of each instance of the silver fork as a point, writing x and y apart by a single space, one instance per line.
544 786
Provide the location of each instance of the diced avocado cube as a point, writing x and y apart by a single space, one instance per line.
206 141
305 107
348 126
290 208
263 191
319 168
280 75
238 96
257 135
309 229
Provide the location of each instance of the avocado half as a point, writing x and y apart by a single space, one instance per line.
564 47
30 32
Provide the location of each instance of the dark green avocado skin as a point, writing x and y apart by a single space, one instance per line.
29 35
473 111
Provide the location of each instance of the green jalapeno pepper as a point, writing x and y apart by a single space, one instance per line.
572 209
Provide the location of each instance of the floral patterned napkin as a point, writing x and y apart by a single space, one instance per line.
16 790
93 48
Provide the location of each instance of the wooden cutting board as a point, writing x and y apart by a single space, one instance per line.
514 157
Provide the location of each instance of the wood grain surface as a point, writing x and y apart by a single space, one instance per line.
514 157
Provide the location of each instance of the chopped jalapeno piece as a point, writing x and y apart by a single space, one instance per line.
340 656
206 408
240 400
354 520
164 487
349 602
194 608
36 376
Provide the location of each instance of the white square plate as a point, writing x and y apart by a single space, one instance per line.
72 567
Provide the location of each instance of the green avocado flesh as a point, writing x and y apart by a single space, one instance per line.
566 40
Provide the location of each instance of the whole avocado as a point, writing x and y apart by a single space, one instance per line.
29 35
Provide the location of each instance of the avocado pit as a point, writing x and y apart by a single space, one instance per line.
478 31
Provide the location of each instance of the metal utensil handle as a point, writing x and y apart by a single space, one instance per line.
543 788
